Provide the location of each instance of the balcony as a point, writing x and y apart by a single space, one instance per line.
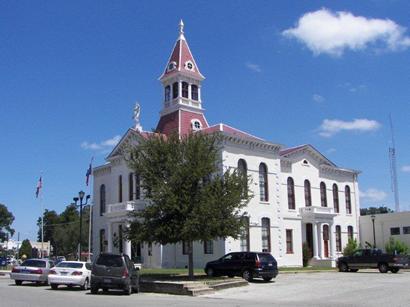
316 213
122 209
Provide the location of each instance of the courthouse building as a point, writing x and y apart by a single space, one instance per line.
299 195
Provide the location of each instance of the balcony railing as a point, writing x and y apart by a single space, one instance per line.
125 207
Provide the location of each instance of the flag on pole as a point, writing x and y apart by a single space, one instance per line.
89 172
39 186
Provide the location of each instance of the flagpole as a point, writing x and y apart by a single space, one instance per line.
91 213
42 217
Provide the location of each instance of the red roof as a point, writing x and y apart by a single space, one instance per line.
292 149
180 121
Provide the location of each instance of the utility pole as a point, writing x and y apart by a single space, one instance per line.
393 169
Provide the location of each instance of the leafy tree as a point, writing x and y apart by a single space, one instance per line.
6 219
50 219
191 199
375 210
350 247
306 253
396 247
25 249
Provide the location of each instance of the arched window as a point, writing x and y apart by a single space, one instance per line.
336 198
131 186
243 170
244 235
308 194
175 90
167 93
102 199
348 200
338 238
323 197
350 232
185 87
120 189
137 186
263 182
266 235
194 92
291 194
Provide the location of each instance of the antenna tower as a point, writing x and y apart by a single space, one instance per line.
393 169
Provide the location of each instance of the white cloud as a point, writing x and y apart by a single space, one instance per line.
318 98
373 195
254 67
405 168
330 127
324 31
103 146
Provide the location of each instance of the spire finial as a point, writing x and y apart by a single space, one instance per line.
181 27
136 117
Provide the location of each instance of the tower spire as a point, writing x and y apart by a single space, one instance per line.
181 30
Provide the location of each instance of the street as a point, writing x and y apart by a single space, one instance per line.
367 288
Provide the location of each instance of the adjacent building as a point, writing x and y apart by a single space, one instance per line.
299 195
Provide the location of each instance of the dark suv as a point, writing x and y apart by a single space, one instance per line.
114 271
249 265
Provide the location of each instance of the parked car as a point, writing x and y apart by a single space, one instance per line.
3 261
372 258
114 271
249 265
70 273
33 270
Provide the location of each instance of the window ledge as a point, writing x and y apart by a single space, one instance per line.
264 202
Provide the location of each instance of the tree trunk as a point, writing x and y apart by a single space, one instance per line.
190 260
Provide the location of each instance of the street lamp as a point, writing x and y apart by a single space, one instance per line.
373 217
80 197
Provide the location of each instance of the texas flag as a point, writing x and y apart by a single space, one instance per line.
89 172
39 186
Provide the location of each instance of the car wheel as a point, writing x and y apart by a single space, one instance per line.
353 270
105 290
343 267
86 285
231 276
383 268
210 272
267 279
18 282
94 290
247 275
128 290
394 270
54 286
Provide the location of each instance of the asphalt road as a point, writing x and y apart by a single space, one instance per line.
368 288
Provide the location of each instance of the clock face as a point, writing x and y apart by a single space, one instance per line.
190 66
172 66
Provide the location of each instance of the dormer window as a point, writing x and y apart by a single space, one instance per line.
196 125
172 66
189 65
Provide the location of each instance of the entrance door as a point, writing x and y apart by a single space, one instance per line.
309 238
326 240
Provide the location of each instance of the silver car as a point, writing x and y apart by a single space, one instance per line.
33 270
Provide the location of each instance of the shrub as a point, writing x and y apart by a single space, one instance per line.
350 247
396 247
307 254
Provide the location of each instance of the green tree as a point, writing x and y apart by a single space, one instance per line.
50 220
375 210
6 219
396 247
25 249
350 247
191 198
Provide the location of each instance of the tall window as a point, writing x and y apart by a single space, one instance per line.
338 238
102 240
336 198
185 87
194 92
120 237
137 186
350 232
348 200
266 247
308 194
323 197
208 247
244 236
120 189
263 182
102 199
167 93
289 241
130 186
291 193
243 170
175 90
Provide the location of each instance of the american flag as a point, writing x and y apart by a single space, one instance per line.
39 186
89 172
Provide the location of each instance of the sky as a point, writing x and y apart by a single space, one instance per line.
327 73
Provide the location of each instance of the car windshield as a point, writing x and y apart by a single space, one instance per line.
265 257
110 260
34 263
74 265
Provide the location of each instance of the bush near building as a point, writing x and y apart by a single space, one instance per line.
350 247
396 247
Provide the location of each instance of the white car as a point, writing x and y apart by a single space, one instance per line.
70 273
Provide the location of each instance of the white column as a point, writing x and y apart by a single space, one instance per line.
179 89
189 91
332 241
109 237
315 238
320 240
127 244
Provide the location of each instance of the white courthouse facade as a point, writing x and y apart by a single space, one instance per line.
299 195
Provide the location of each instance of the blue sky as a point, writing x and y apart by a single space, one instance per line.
293 72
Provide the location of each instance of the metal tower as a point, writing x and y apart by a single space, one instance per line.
393 169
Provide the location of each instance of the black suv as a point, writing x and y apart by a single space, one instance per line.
249 265
114 271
